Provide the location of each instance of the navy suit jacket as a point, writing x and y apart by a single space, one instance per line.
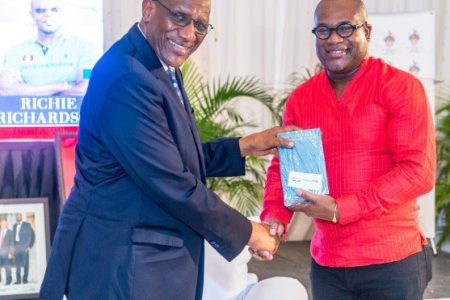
134 224
26 237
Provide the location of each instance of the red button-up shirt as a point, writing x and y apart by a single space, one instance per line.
379 145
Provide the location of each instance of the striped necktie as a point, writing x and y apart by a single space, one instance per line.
173 80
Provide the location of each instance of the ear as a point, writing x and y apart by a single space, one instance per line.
148 9
368 31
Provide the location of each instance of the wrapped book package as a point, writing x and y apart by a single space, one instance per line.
303 166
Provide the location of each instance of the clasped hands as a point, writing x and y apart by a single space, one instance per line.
316 206
264 241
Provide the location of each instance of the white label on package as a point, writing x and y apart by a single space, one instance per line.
306 181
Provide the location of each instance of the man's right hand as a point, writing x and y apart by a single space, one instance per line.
276 229
265 142
262 241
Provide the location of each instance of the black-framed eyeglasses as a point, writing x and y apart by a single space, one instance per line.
344 30
182 19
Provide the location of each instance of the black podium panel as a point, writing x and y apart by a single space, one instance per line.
28 169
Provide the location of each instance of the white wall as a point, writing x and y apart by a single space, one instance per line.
118 16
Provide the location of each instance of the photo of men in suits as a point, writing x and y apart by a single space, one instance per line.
6 249
24 238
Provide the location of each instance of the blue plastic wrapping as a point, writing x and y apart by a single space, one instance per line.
303 166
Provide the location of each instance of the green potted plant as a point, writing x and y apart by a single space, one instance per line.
443 168
216 117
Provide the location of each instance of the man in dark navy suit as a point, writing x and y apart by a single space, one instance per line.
24 238
135 222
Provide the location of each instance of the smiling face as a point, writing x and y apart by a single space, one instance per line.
172 43
342 56
47 14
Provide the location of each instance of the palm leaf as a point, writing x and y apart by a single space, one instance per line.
443 170
215 115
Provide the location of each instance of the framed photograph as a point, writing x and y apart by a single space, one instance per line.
65 163
24 246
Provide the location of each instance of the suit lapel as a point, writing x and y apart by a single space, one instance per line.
146 55
193 126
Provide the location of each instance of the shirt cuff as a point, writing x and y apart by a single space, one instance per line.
349 209
282 215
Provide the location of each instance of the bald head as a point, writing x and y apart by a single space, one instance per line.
357 8
38 3
341 53
48 17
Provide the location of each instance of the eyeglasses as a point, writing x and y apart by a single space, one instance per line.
182 19
344 30
41 11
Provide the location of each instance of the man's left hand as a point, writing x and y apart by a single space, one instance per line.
316 206
265 142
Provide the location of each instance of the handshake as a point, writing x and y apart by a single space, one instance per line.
265 239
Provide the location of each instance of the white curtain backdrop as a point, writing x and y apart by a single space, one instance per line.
268 39
265 38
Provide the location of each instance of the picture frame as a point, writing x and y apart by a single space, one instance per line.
65 144
23 247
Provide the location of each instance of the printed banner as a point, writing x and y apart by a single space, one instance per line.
406 41
38 117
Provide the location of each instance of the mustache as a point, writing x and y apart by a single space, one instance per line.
337 48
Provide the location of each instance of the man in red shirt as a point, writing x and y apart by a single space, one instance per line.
379 145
